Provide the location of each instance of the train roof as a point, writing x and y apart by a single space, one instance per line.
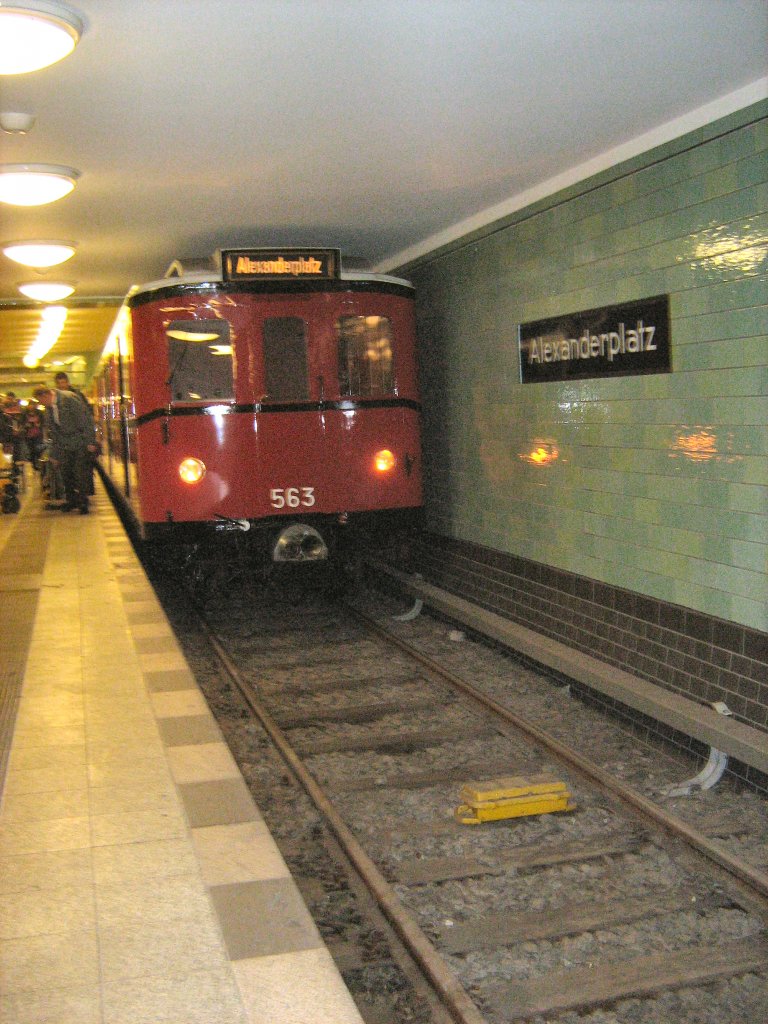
201 278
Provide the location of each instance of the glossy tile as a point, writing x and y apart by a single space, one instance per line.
689 220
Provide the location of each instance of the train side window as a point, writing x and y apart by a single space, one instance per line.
286 376
200 360
366 360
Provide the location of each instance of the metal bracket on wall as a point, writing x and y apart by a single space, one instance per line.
418 604
709 775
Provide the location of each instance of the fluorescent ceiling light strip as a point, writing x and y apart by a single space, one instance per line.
52 321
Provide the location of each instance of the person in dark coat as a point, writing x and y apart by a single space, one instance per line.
63 384
71 432
33 431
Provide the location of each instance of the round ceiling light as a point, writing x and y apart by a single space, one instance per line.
34 34
46 291
35 184
39 252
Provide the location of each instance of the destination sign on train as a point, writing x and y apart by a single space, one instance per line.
280 264
631 338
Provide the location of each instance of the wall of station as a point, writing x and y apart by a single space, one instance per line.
653 484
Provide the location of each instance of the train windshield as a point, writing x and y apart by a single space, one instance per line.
366 360
199 360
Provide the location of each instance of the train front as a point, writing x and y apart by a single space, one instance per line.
280 401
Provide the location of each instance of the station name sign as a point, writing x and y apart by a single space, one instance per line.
280 264
615 341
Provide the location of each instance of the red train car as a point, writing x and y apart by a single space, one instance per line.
275 396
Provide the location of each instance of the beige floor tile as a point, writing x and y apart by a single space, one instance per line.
36 719
116 770
110 699
159 796
132 734
63 691
133 731
28 758
136 592
41 836
202 762
98 665
169 899
44 709
41 871
164 661
46 780
238 853
53 659
145 630
295 988
196 998
175 703
50 911
132 862
40 806
158 949
105 708
45 962
134 608
98 675
44 735
53 1006
137 827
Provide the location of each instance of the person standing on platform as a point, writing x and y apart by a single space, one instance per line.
62 384
73 439
33 431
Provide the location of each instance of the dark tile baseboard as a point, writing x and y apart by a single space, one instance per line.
702 657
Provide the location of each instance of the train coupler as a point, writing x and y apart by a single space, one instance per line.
232 524
511 797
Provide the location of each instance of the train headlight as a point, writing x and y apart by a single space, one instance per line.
384 461
191 471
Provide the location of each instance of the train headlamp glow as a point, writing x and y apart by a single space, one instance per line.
191 471
384 461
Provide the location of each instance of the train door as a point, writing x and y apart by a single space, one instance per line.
295 469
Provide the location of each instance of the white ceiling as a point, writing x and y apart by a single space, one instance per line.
376 126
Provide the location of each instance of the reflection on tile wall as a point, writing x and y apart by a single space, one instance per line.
657 484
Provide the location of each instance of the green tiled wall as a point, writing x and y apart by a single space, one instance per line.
658 483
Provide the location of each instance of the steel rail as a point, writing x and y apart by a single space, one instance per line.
755 879
447 987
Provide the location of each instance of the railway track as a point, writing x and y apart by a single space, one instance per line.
618 903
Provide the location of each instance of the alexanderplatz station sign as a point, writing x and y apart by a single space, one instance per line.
615 341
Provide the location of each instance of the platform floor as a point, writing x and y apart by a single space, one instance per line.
138 882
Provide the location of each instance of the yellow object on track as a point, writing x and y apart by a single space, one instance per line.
512 797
